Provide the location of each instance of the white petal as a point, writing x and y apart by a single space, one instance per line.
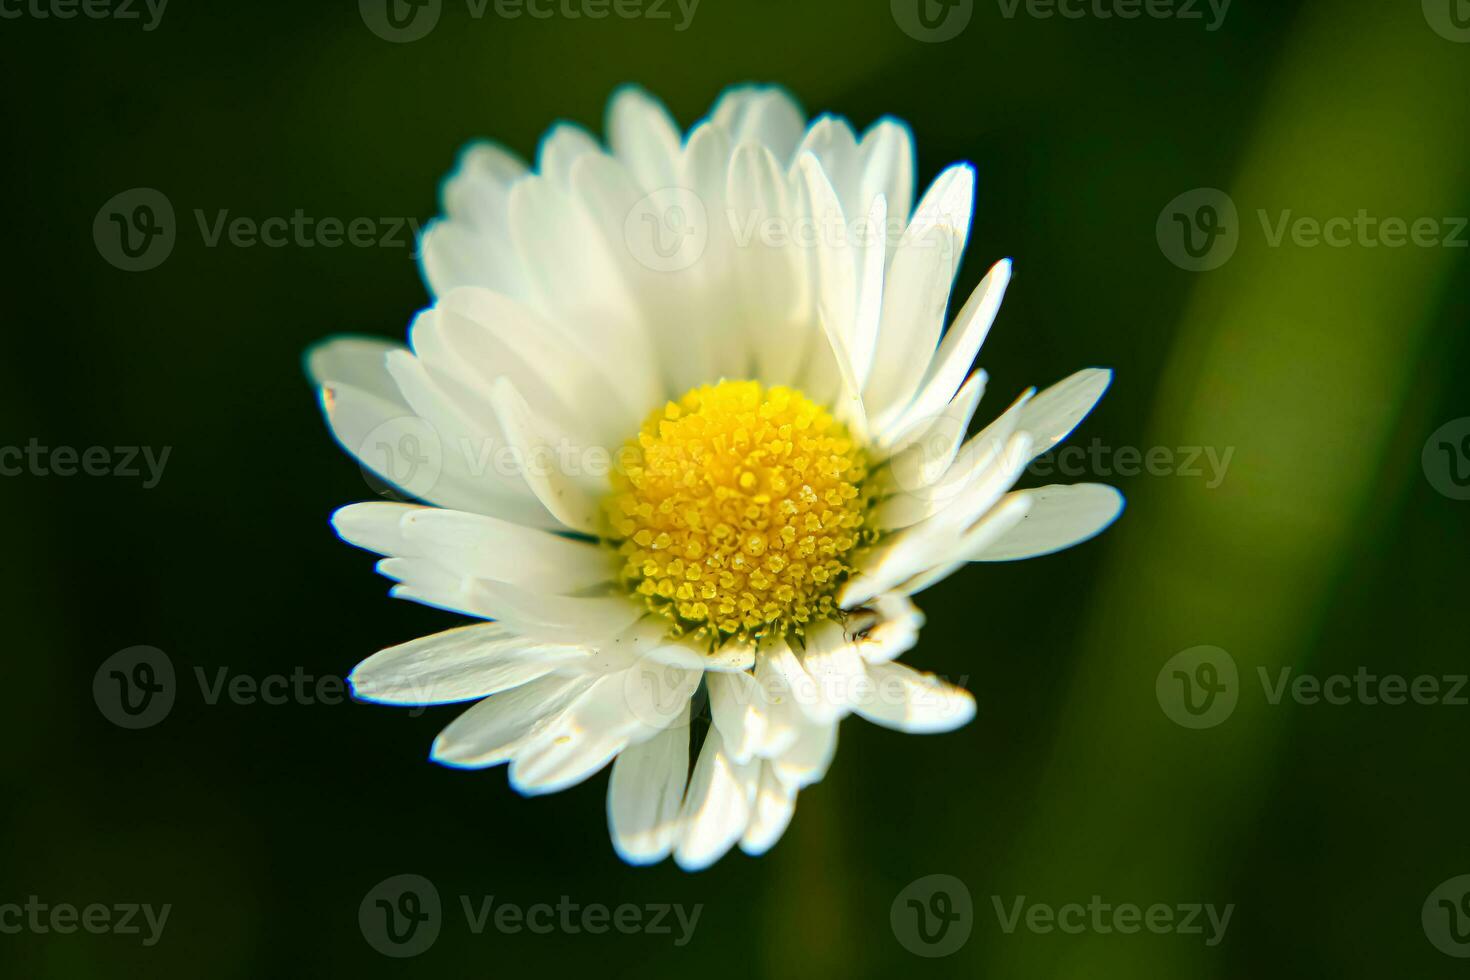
945 561
570 498
888 169
775 803
799 685
928 460
490 732
488 548
887 627
908 701
717 806
435 447
807 760
456 665
481 336
573 273
376 526
555 618
1059 517
836 270
834 145
645 793
643 137
355 361
471 245
932 541
835 666
476 546
738 710
560 148
764 115
781 714
771 273
581 740
1054 413
950 364
920 279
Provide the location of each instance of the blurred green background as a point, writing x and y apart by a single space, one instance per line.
1325 548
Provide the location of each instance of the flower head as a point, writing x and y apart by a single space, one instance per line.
688 433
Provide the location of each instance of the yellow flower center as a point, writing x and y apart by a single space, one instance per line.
736 510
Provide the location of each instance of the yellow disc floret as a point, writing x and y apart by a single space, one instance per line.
736 510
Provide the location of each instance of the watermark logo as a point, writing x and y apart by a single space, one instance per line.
135 688
933 916
1446 917
1199 687
932 21
401 916
1199 230
1446 459
668 230
135 230
657 692
1450 19
406 452
400 21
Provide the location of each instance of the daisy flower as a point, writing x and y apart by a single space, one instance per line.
687 433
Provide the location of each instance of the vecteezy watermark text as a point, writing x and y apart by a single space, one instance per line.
402 21
136 230
1099 460
136 688
1201 687
63 918
1105 918
1200 230
1184 10
934 916
148 12
36 459
402 916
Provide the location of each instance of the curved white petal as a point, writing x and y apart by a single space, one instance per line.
775 803
905 422
477 546
919 282
764 115
1054 413
645 793
614 711
643 137
457 665
570 497
490 732
909 701
717 806
1059 517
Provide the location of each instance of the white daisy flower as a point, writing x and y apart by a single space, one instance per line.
689 434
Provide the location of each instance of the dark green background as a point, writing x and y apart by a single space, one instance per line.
1326 548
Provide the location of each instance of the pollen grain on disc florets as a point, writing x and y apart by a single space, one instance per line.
737 511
